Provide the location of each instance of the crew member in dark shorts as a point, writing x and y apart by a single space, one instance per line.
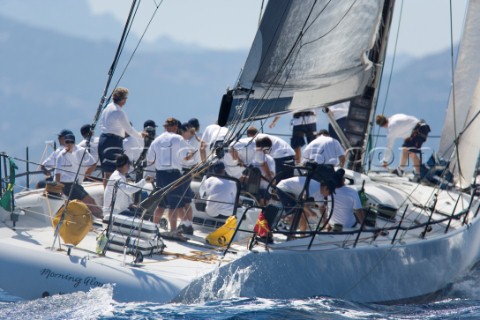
167 152
114 124
68 162
304 126
413 131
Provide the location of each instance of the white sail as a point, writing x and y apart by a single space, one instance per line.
309 53
469 144
463 105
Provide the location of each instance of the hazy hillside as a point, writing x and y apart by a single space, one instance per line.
76 19
50 81
421 88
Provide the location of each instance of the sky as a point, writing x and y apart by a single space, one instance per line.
231 24
216 24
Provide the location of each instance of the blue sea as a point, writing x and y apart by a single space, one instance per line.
461 302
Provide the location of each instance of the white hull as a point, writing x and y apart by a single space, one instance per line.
372 271
372 274
37 273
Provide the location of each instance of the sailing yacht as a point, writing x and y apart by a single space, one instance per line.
418 238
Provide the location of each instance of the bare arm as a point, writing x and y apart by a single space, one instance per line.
341 161
359 214
203 151
274 122
90 170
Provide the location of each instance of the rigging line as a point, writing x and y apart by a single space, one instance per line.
391 72
139 41
271 43
379 261
297 42
121 51
255 108
332 28
455 144
125 33
260 14
452 64
283 65
236 122
287 58
115 61
112 70
300 37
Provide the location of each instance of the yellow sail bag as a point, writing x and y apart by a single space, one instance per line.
76 224
223 235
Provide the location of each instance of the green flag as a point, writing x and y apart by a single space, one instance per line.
6 200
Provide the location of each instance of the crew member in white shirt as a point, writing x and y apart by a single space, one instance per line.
194 123
325 150
167 152
114 125
188 133
283 154
87 134
413 132
220 193
241 154
50 162
289 191
347 207
266 164
125 190
304 126
68 163
212 136
133 147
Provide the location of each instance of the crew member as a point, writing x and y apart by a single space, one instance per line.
123 196
70 159
347 207
167 152
289 191
414 133
304 126
325 150
91 144
114 125
219 193
50 162
212 138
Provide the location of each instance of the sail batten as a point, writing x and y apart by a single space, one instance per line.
308 54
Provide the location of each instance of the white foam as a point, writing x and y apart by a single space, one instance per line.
78 305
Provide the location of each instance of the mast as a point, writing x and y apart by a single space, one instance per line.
306 54
362 108
100 108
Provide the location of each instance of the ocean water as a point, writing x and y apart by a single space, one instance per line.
461 302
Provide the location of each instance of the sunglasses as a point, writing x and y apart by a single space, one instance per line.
69 142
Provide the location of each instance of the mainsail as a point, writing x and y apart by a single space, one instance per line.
464 104
307 54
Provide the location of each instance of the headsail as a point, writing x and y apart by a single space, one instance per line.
464 104
307 54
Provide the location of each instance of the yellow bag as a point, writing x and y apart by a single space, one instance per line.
223 235
76 224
